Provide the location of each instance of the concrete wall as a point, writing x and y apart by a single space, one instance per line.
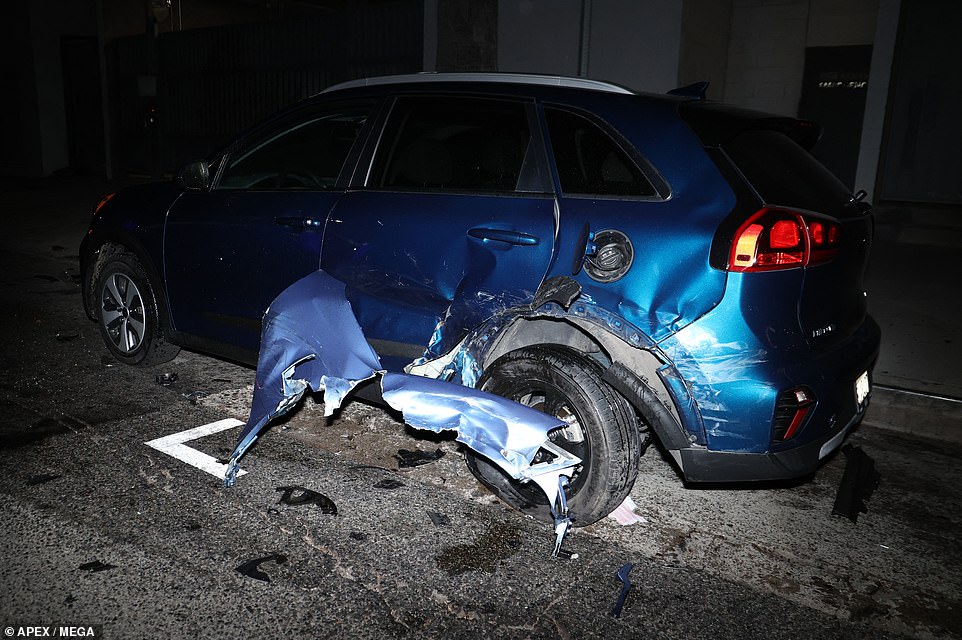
706 27
539 36
766 55
632 43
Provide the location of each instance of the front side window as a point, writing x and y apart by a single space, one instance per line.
307 154
589 162
455 144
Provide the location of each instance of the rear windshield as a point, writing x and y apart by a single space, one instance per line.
783 173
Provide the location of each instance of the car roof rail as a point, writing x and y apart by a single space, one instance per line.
517 78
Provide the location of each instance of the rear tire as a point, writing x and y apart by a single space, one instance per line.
127 311
602 430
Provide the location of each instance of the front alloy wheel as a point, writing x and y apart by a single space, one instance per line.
122 313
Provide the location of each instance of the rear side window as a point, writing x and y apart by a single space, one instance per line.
455 144
304 154
783 173
589 161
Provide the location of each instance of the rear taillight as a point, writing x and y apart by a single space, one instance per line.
791 409
782 239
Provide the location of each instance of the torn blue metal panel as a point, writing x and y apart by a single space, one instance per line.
309 339
507 433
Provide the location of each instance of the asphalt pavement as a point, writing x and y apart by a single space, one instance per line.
100 529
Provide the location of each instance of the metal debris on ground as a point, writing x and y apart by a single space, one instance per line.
296 496
95 566
252 568
166 379
625 588
858 483
417 457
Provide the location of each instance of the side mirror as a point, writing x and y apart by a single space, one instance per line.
194 176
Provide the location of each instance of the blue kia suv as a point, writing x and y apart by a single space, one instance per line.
640 266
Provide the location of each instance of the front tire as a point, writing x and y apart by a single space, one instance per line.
127 312
601 430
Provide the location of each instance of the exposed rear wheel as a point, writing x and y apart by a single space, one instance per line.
600 429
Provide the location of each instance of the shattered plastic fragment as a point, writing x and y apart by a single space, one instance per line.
96 566
858 483
439 519
41 478
625 588
296 496
625 513
417 458
252 568
166 379
389 483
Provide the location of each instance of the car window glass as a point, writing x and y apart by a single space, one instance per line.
457 144
307 154
589 161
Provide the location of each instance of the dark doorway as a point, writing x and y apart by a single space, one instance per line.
833 94
81 93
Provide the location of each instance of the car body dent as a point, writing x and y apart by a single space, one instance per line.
312 341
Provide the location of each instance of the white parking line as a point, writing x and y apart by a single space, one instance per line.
173 445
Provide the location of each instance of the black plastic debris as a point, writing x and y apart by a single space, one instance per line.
564 554
66 337
417 458
96 566
625 588
252 568
439 519
41 478
859 481
57 247
296 496
359 536
389 483
166 379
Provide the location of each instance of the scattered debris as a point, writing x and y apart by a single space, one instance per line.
96 566
389 483
311 341
625 588
439 519
417 458
193 526
66 337
41 478
625 514
107 362
564 554
296 496
166 379
359 536
858 483
194 396
252 568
